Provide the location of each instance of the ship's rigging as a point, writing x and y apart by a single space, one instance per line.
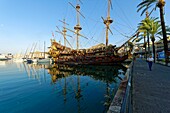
77 28
92 39
96 55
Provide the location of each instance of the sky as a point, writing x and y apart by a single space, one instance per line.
26 22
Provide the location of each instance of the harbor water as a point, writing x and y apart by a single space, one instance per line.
46 88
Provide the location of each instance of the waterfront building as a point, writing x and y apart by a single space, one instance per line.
159 47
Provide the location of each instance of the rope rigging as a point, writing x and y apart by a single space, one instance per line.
92 32
120 32
124 14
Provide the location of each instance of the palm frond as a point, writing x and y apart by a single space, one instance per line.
159 37
145 5
141 7
142 3
144 10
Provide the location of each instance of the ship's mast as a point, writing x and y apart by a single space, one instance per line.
78 27
64 31
107 22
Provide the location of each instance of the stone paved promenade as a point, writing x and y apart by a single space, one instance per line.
151 89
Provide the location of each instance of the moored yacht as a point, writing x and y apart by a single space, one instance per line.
3 57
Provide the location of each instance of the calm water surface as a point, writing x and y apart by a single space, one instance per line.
43 88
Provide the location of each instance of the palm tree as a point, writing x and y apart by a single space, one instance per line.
160 4
155 29
144 27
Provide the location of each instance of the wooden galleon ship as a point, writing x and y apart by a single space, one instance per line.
102 54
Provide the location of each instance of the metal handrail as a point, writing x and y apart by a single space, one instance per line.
126 104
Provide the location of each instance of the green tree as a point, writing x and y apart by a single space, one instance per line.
144 27
146 4
155 29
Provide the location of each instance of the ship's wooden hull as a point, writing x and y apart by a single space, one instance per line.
94 60
99 56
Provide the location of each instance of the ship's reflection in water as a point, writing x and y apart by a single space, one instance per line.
45 88
88 81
